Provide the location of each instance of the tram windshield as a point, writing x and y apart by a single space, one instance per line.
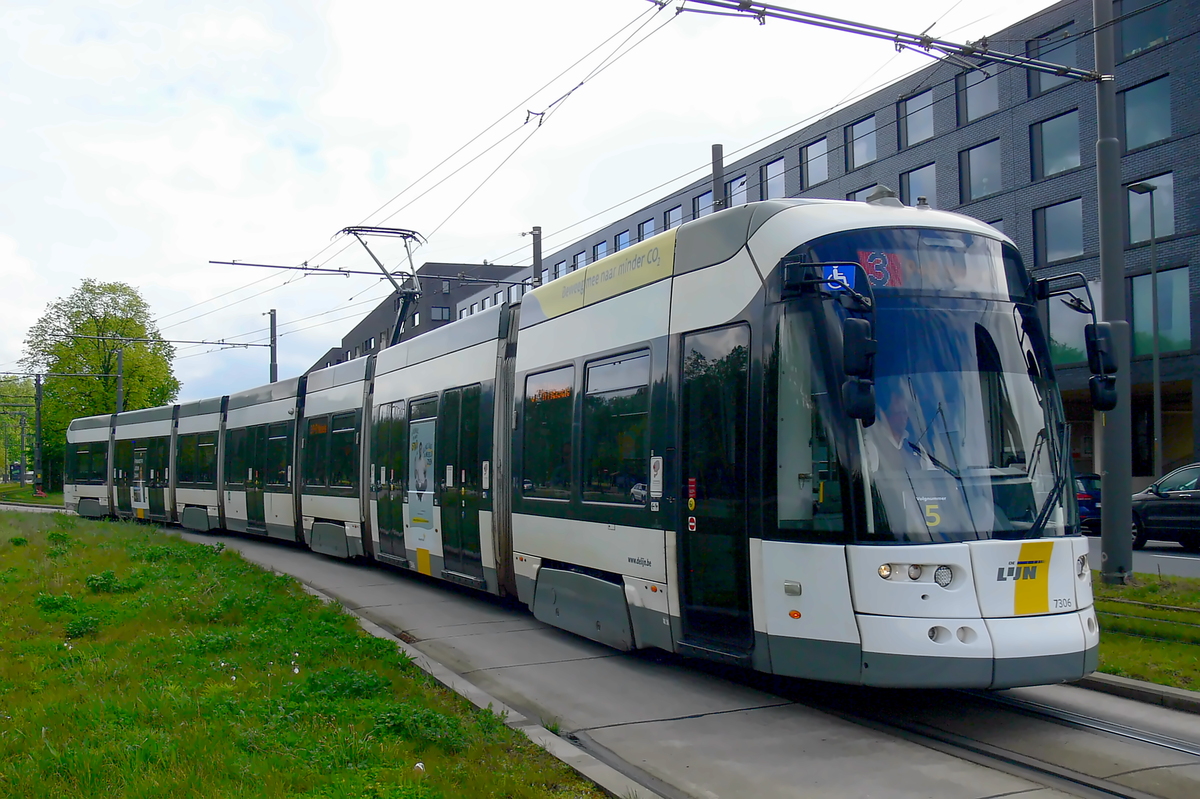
968 441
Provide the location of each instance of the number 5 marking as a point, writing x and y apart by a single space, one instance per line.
932 517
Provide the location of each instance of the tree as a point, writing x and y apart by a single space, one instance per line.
16 402
80 335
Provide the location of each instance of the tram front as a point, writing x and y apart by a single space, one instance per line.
948 489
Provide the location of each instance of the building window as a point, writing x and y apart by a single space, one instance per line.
514 293
546 441
462 312
979 169
474 307
646 229
862 194
616 405
1055 145
978 95
485 303
546 276
622 240
599 250
814 163
1057 47
735 192
417 319
1164 209
1147 112
916 119
356 352
1145 25
998 224
702 205
445 286
1058 231
560 269
860 143
579 261
439 313
370 345
498 297
1066 331
770 180
919 183
1174 315
673 217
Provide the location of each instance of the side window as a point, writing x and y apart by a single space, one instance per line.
316 451
547 438
185 459
206 458
1183 480
616 407
343 454
279 451
235 456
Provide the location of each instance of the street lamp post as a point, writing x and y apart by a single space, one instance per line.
1147 189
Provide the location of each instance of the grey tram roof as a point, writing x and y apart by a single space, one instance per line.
90 422
200 407
281 390
159 414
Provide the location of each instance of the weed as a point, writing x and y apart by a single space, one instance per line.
18 540
62 603
80 626
423 726
57 537
554 725
106 582
343 682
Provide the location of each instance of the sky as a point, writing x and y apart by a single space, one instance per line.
141 140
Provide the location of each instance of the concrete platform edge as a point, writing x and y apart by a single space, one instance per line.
1149 693
605 777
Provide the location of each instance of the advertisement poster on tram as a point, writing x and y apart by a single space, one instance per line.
420 473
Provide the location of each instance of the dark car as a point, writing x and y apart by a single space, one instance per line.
1087 491
1169 510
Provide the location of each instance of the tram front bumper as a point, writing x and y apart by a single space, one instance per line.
904 652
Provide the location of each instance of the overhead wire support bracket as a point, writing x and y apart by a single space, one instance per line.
901 40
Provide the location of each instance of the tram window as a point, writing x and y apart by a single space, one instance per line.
343 460
547 440
316 451
185 460
615 409
279 446
235 456
424 409
206 458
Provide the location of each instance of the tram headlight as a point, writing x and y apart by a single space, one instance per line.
943 576
914 572
1081 566
885 571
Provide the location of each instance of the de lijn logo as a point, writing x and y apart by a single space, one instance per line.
1018 570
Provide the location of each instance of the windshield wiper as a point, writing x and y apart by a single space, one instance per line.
1060 480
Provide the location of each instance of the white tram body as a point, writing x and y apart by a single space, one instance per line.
657 450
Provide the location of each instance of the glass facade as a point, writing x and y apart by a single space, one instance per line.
1142 29
673 217
735 191
1055 145
916 119
1164 209
702 205
980 171
815 163
978 95
860 143
1058 230
1057 47
1147 111
771 181
1174 313
919 183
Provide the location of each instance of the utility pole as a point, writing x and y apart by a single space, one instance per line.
37 433
274 349
120 377
22 450
537 255
1116 451
718 177
1116 475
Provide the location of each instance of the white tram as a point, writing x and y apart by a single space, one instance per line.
813 438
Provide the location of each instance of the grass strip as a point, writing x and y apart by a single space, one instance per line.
15 492
1150 629
136 664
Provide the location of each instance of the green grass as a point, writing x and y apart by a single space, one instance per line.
134 664
1150 629
13 492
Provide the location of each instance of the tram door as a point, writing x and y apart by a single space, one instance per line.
388 447
459 480
122 473
714 557
158 463
256 461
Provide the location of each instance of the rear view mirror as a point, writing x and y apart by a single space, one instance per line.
1101 354
858 349
1104 392
858 397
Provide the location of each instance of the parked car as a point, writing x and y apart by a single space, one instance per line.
1169 510
638 493
1087 491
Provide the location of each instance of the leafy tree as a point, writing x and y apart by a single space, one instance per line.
15 393
111 314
